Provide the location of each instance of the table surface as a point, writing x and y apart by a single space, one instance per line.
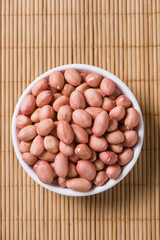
120 36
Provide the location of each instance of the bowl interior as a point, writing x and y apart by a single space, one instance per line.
137 148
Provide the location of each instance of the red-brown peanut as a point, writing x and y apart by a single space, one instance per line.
93 79
47 156
108 104
29 158
67 150
25 146
115 137
73 158
35 116
98 144
113 171
72 77
28 105
99 165
44 98
130 138
45 126
125 157
72 172
80 134
117 148
117 113
65 113
46 111
82 118
93 156
78 184
56 80
83 151
132 118
61 165
100 124
22 121
61 181
93 98
37 146
108 157
94 111
44 171
51 144
82 87
61 101
77 100
65 132
67 90
27 133
124 101
39 86
112 125
86 169
107 86
101 178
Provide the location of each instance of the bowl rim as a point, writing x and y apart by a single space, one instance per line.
137 149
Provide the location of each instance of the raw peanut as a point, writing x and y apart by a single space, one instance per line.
100 92
125 157
27 133
25 146
51 144
46 112
82 87
86 169
72 77
117 113
116 93
112 126
83 151
93 79
108 157
89 130
80 134
74 158
61 182
124 101
101 178
93 156
130 138
65 132
44 98
77 100
54 130
99 165
65 113
67 90
44 171
61 165
29 158
52 166
83 75
37 146
107 86
98 144
67 150
78 184
22 121
28 105
61 101
53 90
117 148
36 124
113 171
56 80
39 86
132 118
108 104
72 172
56 95
47 156
35 116
82 118
45 126
100 124
93 98
115 137
94 111
122 128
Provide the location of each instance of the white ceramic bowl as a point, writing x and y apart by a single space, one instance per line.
126 169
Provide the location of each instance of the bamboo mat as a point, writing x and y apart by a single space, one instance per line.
122 36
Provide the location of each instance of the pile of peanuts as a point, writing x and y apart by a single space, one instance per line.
77 128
